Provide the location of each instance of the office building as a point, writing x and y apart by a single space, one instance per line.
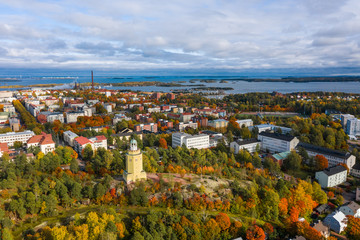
274 142
190 141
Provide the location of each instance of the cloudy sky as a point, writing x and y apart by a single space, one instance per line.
193 34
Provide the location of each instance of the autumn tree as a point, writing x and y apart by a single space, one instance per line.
321 162
255 233
223 220
352 229
163 143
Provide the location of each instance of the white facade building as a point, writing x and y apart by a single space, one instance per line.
245 122
71 117
196 141
274 142
336 221
44 141
331 177
249 145
69 137
353 127
334 157
55 116
12 137
181 126
344 118
99 141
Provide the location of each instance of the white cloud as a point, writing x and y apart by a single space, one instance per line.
174 34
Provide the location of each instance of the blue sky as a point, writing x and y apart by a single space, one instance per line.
186 34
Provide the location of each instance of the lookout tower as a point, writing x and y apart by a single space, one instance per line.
134 164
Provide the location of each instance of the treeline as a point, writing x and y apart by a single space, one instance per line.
27 118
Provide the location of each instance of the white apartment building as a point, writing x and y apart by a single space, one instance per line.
245 122
331 177
12 137
353 127
249 145
334 157
274 142
99 141
55 116
344 118
80 143
71 117
153 110
196 141
218 123
181 126
69 137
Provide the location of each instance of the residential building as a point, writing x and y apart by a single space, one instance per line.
108 107
357 197
151 127
182 126
55 116
245 122
355 170
353 127
215 138
247 144
336 221
4 117
332 176
134 164
274 142
14 124
154 110
119 118
4 148
344 118
99 141
156 96
80 143
218 123
69 137
170 96
280 157
350 208
334 157
71 117
190 141
126 136
44 141
322 229
12 137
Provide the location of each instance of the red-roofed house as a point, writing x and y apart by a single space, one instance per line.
44 141
99 141
4 149
80 143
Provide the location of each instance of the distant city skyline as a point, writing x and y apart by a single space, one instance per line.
226 35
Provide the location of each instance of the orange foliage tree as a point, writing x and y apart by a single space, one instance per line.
163 143
255 233
352 229
321 162
223 220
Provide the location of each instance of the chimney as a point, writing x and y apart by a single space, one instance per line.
92 80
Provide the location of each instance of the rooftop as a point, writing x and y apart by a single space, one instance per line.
352 205
247 141
277 136
82 140
324 150
334 170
